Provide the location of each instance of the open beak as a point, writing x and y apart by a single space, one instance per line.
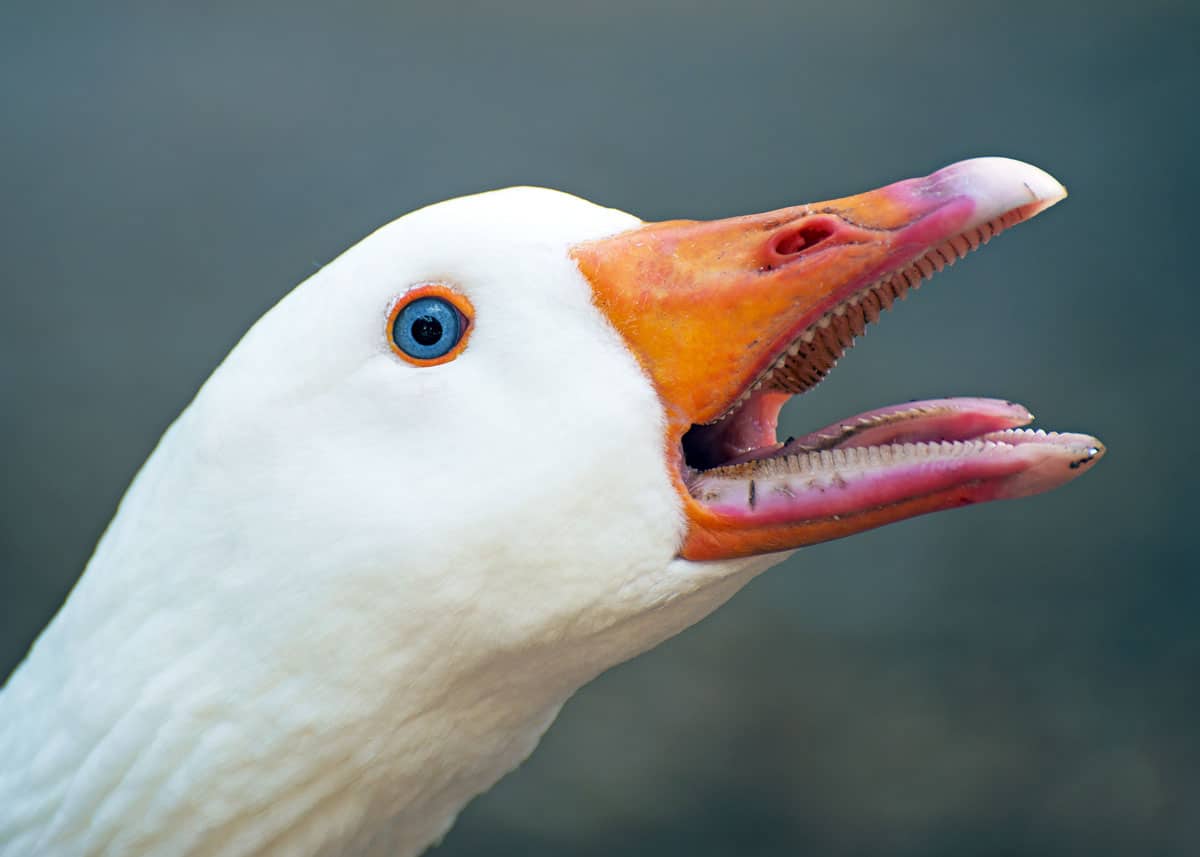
730 318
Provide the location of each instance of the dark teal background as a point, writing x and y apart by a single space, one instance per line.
1018 678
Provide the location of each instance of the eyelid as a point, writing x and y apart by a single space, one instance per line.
463 306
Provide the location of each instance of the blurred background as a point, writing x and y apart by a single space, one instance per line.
1013 678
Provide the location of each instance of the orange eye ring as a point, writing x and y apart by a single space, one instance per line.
430 325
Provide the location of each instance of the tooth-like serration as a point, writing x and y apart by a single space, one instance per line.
865 457
817 349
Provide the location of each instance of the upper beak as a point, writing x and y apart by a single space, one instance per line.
712 310
707 306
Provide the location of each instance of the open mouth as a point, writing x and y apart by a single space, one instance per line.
732 318
737 466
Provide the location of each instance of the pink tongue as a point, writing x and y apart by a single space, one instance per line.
914 422
752 433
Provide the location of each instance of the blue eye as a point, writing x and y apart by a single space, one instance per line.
427 328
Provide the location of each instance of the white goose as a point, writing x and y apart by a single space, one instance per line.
446 482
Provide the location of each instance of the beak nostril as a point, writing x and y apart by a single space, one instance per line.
794 241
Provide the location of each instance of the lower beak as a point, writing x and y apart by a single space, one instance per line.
720 314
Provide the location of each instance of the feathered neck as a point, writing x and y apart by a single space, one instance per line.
185 702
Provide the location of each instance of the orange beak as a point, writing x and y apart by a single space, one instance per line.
729 318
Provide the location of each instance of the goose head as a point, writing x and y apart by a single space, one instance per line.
502 444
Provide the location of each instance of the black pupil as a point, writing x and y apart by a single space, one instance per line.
427 330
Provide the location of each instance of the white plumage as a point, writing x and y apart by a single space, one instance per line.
345 595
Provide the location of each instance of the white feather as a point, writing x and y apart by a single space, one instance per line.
345 595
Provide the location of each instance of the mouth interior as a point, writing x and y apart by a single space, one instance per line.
742 447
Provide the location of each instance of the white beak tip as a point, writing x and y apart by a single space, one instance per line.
999 185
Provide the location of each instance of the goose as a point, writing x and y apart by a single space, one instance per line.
502 444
